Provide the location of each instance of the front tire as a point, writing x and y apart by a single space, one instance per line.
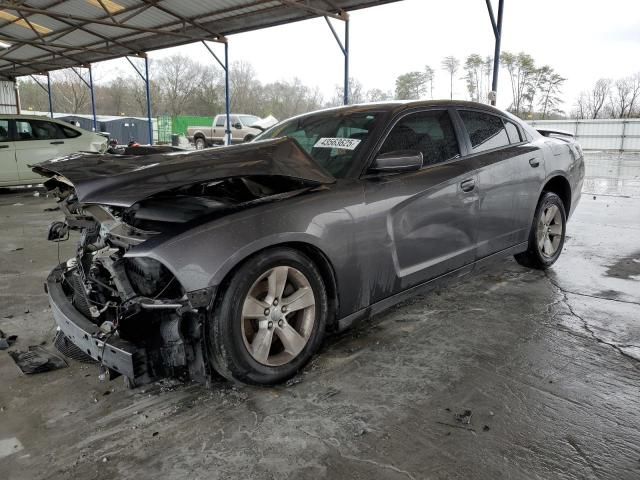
547 234
270 319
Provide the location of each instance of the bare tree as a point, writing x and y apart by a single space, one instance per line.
474 76
598 95
430 75
624 96
487 69
450 64
550 94
378 95
178 78
356 93
634 99
71 94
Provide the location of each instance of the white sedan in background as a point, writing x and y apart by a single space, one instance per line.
26 140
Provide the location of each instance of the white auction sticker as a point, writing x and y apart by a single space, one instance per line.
345 143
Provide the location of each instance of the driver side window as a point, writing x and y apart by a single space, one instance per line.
429 132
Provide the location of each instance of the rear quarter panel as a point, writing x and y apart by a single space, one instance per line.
562 158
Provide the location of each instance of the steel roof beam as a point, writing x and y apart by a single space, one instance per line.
316 11
56 15
191 21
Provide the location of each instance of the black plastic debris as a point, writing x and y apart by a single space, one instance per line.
7 341
37 360
464 417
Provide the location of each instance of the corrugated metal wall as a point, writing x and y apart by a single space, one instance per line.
7 97
615 134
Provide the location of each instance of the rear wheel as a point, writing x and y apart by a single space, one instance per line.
546 237
200 143
270 318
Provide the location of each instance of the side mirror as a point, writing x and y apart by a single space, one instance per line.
237 125
398 161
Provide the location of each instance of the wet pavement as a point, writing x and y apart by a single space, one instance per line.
512 373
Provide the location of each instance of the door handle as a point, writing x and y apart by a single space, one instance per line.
534 162
4 146
468 185
59 142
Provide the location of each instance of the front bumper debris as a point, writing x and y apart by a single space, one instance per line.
117 354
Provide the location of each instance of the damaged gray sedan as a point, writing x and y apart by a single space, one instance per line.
238 260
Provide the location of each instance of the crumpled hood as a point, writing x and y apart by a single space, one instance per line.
122 180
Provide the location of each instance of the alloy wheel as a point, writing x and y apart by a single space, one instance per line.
278 316
549 232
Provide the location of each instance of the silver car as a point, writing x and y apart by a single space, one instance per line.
27 139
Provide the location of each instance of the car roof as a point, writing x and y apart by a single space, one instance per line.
410 104
398 106
16 116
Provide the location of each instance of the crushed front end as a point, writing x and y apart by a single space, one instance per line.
129 314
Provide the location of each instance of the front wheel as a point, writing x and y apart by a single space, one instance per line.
270 318
546 237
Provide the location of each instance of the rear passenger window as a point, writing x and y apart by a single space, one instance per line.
70 132
4 130
429 132
513 132
220 121
23 130
42 130
486 131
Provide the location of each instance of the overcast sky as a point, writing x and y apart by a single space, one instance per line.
582 39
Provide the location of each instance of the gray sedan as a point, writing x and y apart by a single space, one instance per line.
238 260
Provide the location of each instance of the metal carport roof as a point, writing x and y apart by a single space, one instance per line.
38 36
45 35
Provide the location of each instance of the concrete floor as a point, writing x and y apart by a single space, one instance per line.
548 365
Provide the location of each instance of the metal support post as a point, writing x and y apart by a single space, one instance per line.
47 89
497 32
345 51
346 61
16 90
227 99
93 100
49 94
227 93
147 84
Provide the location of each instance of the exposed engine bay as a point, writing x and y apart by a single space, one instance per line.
137 301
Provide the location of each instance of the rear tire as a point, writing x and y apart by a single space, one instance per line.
546 238
200 143
270 318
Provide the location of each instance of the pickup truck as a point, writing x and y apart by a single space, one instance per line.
241 131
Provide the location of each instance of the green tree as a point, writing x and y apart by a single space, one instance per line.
411 85
521 68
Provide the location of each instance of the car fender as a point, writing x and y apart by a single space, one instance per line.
203 256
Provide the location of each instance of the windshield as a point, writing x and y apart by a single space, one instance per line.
248 120
333 138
